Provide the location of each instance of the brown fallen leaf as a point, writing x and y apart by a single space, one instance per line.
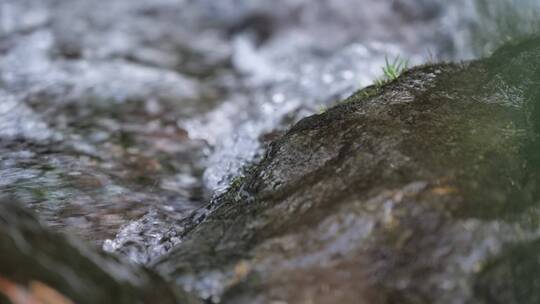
15 293
38 293
47 295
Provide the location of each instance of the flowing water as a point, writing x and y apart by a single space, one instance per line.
120 117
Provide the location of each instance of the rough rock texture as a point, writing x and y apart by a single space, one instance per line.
419 192
111 110
400 194
31 255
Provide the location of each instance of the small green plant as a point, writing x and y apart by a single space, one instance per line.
398 66
392 70
322 108
370 91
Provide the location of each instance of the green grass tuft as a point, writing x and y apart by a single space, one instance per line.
322 109
392 70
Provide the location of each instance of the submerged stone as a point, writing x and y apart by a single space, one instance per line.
398 197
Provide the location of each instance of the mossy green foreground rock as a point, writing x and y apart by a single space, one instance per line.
422 191
425 190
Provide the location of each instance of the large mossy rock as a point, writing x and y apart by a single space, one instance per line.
408 193
46 267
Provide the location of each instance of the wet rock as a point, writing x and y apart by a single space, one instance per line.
124 114
400 194
33 256
512 277
129 114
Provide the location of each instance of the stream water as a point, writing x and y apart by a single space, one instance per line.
120 117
